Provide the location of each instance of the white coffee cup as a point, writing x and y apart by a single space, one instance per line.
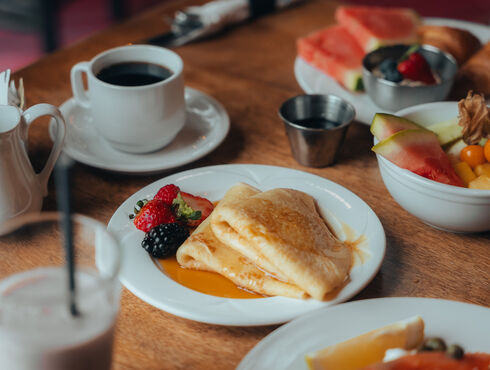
135 119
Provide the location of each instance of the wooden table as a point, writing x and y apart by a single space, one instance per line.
250 71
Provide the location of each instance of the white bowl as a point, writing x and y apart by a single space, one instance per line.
442 206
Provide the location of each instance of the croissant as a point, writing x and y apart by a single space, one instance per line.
474 75
461 44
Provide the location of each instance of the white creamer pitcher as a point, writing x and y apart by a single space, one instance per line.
21 189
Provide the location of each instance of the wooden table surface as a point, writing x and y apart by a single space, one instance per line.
249 69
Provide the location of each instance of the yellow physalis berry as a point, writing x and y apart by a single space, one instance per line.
473 155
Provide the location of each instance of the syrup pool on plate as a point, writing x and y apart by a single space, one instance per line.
212 283
203 281
37 330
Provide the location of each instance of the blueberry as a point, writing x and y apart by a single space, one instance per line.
388 65
393 76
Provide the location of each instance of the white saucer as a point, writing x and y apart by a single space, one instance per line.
206 127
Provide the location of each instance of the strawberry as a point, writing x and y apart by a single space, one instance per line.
152 214
191 209
167 193
416 68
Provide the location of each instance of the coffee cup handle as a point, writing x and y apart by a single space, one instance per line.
30 115
79 92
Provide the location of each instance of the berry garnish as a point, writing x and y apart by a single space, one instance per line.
139 204
388 68
393 76
416 68
167 193
191 209
388 64
153 213
164 240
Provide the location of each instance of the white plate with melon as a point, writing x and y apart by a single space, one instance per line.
313 81
457 323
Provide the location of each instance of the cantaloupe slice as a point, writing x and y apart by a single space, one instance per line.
368 348
482 182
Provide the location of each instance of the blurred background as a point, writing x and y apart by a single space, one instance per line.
30 28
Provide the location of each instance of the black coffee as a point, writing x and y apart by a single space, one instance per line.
316 122
133 74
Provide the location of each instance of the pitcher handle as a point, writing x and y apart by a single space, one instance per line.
30 115
79 92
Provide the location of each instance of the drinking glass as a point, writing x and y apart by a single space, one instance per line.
37 328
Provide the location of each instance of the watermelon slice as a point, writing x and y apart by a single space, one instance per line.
419 151
377 26
384 125
435 360
334 51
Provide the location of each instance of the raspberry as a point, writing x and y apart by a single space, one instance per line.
167 194
152 214
164 240
416 68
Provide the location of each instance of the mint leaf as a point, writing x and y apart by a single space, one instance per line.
183 211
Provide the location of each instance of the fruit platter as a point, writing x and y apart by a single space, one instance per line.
322 66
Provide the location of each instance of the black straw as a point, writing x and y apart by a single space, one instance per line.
63 197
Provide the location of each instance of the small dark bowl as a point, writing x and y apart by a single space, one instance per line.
392 96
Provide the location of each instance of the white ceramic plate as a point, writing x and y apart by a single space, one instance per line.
456 322
313 81
141 276
206 126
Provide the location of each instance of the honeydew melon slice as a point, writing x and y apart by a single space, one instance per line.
454 150
419 151
384 125
447 131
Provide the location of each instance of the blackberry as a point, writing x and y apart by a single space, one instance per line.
164 240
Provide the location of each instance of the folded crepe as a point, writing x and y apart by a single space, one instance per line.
273 242
203 251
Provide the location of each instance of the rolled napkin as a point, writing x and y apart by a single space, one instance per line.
16 95
277 241
199 21
9 94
